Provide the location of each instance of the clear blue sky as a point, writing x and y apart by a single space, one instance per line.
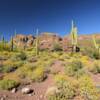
49 16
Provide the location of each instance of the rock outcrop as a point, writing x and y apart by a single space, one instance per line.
21 40
48 39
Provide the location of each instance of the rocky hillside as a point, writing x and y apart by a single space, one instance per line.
46 40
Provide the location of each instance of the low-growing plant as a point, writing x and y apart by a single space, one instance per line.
25 70
8 84
95 67
10 66
38 75
74 68
66 88
87 89
21 56
56 47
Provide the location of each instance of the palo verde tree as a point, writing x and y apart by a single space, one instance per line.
96 45
74 37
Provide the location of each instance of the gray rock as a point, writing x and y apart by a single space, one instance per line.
26 90
52 91
13 90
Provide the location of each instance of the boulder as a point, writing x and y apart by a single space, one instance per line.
52 91
26 90
13 90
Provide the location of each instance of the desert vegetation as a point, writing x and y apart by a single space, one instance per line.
42 65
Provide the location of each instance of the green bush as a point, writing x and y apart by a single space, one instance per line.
38 74
56 47
21 56
74 68
87 89
92 53
10 66
8 84
95 68
66 89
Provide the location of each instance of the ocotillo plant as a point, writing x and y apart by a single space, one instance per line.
74 37
97 47
37 42
12 43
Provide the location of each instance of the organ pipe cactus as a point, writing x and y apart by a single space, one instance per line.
97 47
37 42
74 37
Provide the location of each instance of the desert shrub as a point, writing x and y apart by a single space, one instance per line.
66 89
60 78
8 84
25 70
87 89
21 56
56 47
38 74
95 67
10 66
92 53
74 68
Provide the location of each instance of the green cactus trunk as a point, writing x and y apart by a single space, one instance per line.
3 43
37 43
97 47
74 37
12 44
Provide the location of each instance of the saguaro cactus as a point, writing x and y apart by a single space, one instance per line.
12 43
74 37
15 33
37 42
3 42
97 47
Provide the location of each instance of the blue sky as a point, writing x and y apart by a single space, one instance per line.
49 16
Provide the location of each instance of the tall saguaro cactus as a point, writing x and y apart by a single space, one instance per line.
12 43
3 42
97 47
37 42
74 37
15 33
